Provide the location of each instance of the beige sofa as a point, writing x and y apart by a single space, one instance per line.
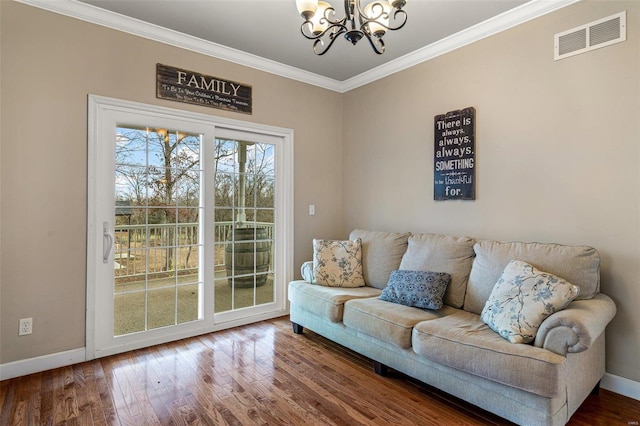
542 383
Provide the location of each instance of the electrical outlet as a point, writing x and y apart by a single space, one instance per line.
26 326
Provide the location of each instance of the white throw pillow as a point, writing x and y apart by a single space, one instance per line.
522 298
338 263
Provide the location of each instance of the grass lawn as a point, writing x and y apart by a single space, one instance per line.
169 302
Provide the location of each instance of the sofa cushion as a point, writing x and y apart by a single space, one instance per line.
386 321
326 302
422 289
381 254
338 263
580 265
442 253
522 298
461 340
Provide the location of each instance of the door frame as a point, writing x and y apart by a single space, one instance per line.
99 108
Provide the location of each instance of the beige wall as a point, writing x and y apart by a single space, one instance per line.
49 65
557 154
557 151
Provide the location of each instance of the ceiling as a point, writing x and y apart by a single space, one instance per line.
266 34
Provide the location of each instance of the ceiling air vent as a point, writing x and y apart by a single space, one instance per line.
600 33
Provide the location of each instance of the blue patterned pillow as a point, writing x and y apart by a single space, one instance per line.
421 289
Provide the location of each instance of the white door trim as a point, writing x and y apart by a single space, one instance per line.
99 109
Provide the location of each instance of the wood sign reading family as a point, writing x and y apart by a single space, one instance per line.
193 88
454 155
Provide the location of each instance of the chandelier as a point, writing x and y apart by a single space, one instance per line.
378 16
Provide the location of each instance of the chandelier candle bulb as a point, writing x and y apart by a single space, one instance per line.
307 8
378 12
319 20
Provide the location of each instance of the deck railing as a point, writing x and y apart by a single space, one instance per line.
164 248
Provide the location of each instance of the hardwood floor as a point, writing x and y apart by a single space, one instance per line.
257 374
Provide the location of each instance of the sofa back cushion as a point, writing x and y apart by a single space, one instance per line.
579 265
381 254
442 253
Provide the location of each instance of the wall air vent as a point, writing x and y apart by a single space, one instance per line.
597 34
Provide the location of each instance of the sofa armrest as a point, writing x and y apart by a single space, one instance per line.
574 329
307 271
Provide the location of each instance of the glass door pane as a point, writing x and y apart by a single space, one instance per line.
157 213
244 221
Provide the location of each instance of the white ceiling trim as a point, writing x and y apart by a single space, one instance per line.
116 21
499 23
95 15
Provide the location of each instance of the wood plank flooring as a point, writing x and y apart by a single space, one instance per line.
261 374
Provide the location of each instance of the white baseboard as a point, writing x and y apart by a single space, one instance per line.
610 382
621 385
74 356
41 363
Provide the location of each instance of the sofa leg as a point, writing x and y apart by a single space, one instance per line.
380 368
596 390
297 328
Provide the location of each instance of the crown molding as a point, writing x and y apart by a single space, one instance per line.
116 21
502 22
498 23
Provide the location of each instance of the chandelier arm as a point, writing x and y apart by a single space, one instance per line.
403 17
337 27
320 41
306 24
377 45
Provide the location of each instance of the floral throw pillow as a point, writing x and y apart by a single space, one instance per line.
338 263
522 298
421 289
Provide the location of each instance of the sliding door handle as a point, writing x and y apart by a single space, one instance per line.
107 242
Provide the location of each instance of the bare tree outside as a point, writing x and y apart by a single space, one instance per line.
157 174
158 183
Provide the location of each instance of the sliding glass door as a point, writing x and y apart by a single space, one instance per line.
186 226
